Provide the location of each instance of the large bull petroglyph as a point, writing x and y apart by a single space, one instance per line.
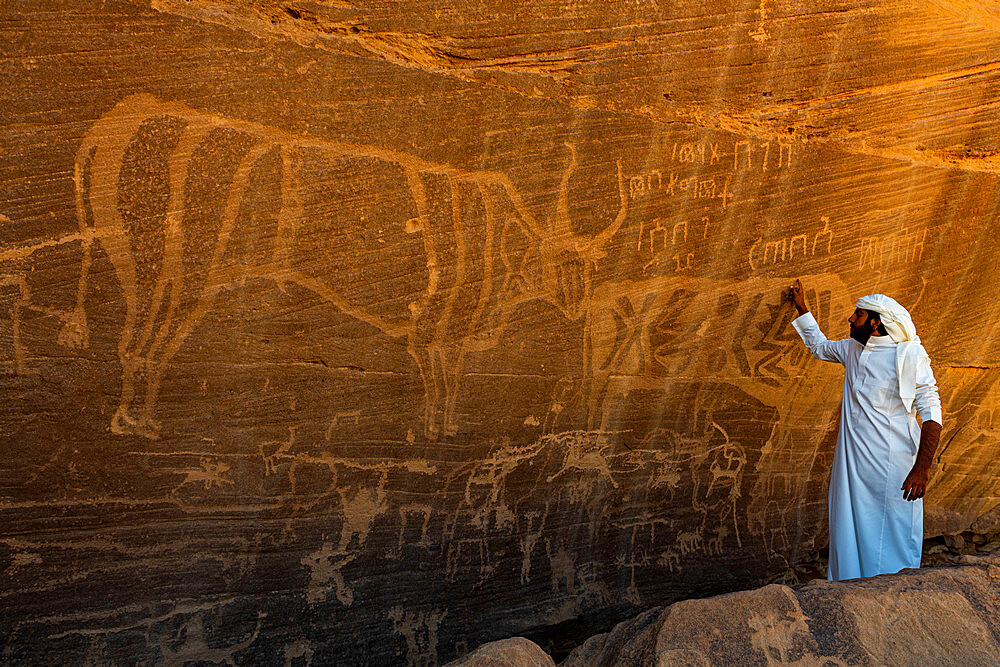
187 204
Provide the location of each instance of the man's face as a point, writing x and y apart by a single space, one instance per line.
861 326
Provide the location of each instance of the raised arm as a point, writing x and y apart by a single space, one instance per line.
797 296
807 327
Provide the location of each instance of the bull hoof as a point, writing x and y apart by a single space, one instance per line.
148 428
122 423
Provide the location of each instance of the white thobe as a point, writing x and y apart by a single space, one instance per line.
873 529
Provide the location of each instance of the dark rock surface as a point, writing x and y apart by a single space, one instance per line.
376 331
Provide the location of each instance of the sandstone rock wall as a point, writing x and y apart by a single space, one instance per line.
377 331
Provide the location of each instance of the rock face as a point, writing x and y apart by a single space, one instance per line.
376 331
945 616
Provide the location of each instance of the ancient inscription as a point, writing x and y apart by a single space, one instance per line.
892 250
682 175
783 250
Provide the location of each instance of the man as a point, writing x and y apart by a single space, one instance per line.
882 460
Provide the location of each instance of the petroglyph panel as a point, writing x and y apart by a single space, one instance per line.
340 333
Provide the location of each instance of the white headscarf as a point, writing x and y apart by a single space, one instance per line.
899 326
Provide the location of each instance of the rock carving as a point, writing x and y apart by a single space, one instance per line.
165 300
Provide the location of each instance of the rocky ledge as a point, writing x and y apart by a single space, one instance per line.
947 615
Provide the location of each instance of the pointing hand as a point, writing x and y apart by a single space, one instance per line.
796 294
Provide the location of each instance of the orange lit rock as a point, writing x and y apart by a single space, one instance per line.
375 332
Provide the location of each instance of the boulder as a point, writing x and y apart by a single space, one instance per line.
945 615
514 652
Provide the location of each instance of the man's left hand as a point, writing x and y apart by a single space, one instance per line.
915 484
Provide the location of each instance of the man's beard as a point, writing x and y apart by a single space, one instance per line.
862 333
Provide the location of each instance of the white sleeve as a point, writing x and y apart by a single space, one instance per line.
819 346
927 401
